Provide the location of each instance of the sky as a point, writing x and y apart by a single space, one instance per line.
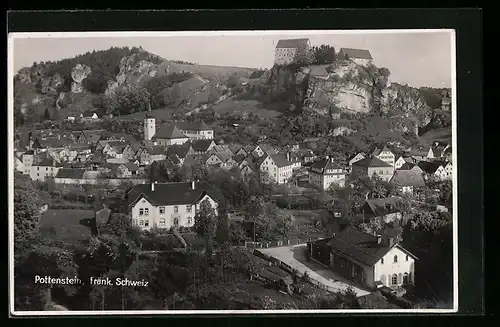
416 58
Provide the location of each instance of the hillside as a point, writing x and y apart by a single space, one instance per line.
119 81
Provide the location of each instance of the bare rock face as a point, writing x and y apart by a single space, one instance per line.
76 87
63 100
78 74
49 85
132 71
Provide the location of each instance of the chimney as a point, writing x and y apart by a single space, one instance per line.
379 239
390 241
192 185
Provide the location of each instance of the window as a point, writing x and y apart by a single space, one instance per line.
141 212
146 223
190 220
394 279
146 212
162 221
46 168
162 210
176 208
189 208
141 222
37 168
407 257
395 259
176 222
382 261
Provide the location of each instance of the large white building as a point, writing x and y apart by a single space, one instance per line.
275 168
325 172
359 56
286 50
169 205
196 130
176 133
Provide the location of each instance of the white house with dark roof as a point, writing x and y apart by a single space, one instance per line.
287 49
384 154
169 134
372 166
43 169
359 56
325 172
169 205
368 260
196 130
357 157
276 167
408 180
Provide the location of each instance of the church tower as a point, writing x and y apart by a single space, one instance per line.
149 127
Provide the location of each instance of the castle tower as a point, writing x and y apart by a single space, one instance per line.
149 127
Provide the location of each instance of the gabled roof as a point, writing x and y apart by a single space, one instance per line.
371 162
379 150
70 173
410 166
131 166
430 167
119 147
201 145
223 156
192 126
361 246
102 216
268 149
156 150
280 160
292 43
383 206
408 178
47 162
172 193
325 164
239 158
180 150
169 132
89 114
356 53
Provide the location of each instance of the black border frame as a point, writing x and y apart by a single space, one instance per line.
467 24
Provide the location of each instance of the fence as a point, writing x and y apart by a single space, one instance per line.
290 270
274 244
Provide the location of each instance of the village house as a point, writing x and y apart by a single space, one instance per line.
385 209
262 149
407 181
169 205
402 160
147 155
42 170
366 259
169 135
259 76
89 116
294 159
372 166
202 146
287 50
325 172
439 169
69 176
86 136
237 150
359 56
357 157
196 130
127 170
180 152
276 167
385 155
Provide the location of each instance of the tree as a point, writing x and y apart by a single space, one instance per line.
205 222
324 54
46 114
26 213
222 232
285 224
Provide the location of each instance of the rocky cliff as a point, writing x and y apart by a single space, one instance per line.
346 87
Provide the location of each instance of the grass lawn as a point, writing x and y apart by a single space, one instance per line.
440 134
307 223
69 226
